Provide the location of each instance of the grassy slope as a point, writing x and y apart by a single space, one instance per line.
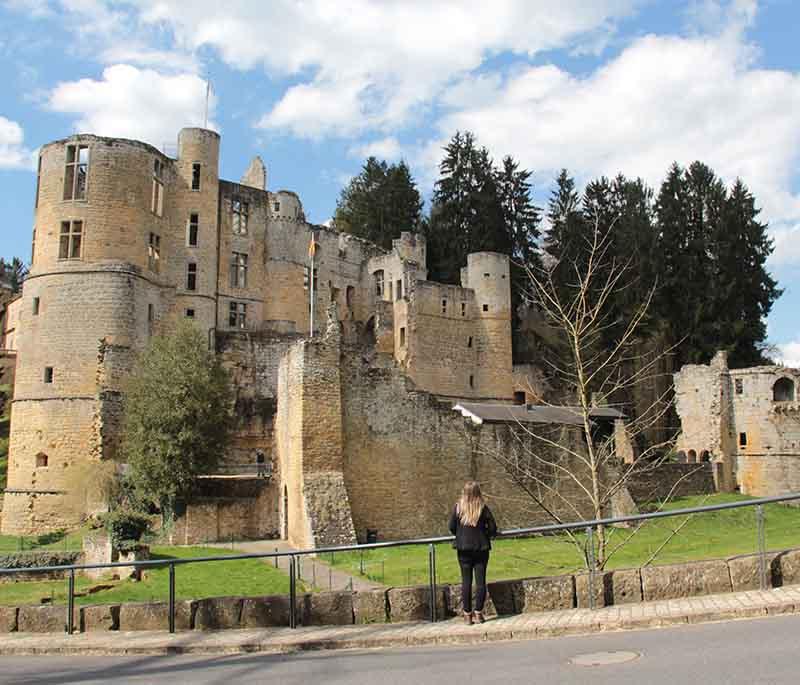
248 577
706 536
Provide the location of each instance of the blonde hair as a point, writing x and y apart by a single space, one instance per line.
470 504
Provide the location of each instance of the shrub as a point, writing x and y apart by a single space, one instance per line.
37 559
125 527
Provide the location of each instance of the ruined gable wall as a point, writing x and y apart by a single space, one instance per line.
700 403
407 456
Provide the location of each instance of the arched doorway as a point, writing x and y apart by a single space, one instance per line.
783 390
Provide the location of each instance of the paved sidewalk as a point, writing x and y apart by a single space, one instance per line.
754 604
313 570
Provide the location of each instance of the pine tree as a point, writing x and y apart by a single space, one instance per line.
13 273
466 213
379 203
566 239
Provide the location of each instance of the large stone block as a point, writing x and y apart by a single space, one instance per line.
45 619
155 616
414 603
370 606
8 619
545 594
745 571
218 613
265 612
685 580
621 586
789 564
99 618
327 609
499 598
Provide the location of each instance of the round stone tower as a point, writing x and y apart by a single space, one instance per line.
488 274
109 269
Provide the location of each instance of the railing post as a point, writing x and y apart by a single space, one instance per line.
432 579
762 560
71 602
172 598
276 557
292 592
591 563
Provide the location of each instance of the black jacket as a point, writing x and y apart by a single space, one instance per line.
473 538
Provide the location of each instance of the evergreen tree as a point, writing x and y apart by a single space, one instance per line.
566 239
13 273
466 214
379 203
744 292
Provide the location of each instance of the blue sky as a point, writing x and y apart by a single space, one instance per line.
597 86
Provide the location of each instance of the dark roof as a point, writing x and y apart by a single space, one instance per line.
530 413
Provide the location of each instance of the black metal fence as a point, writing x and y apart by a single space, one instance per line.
587 526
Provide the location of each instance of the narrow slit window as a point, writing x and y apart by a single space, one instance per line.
151 312
194 229
76 171
191 276
36 302
463 309
196 176
469 341
739 386
379 283
48 374
472 381
399 290
71 240
157 198
402 337
742 439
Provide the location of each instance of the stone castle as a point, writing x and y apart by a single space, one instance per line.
745 421
354 425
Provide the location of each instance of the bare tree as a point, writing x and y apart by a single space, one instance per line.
576 470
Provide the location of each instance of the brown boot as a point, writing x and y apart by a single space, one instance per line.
478 617
468 618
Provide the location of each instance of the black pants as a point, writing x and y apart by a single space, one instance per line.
469 562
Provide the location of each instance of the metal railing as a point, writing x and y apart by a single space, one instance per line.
587 526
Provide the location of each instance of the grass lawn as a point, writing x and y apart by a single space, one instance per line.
59 541
706 536
247 577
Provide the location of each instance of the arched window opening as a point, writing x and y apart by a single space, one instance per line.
705 456
681 457
692 457
783 390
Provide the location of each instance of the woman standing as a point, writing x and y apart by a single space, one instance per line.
473 525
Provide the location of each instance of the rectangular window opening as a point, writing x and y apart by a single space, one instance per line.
519 397
739 386
190 313
276 206
157 198
196 176
402 336
194 229
742 439
151 312
463 309
75 172
239 215
71 240
36 306
154 253
379 283
237 315
399 289
444 306
469 341
472 381
191 276
486 307
238 270
48 374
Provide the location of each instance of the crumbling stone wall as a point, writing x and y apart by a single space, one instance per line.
736 419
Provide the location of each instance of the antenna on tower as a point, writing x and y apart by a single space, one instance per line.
208 96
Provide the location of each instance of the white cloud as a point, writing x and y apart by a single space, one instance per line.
790 354
663 99
386 148
134 103
373 65
13 153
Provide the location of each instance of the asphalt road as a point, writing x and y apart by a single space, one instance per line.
752 652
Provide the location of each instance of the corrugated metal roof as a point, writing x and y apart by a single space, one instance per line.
522 413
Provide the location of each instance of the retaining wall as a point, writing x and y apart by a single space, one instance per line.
526 595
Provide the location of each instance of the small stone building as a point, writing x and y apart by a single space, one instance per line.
745 421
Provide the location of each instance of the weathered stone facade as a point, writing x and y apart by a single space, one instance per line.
127 241
745 421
